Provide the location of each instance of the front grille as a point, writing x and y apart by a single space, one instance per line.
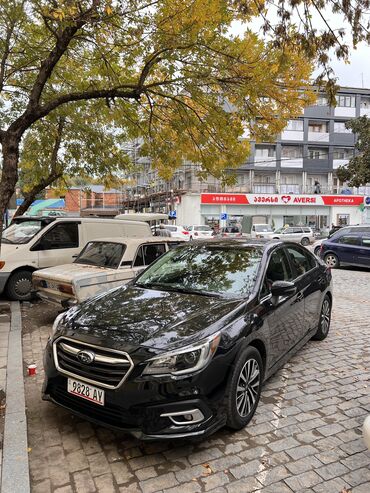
108 414
109 368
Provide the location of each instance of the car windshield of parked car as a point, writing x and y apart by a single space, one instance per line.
21 232
102 254
205 269
263 228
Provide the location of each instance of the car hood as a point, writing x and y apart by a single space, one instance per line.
128 317
71 272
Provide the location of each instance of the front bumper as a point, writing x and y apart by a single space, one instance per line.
149 409
4 276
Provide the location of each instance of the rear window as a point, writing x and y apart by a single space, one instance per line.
102 254
307 230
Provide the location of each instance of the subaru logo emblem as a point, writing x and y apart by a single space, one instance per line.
367 200
86 357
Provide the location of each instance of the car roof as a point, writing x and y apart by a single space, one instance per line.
138 241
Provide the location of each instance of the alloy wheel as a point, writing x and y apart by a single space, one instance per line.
331 260
325 316
247 387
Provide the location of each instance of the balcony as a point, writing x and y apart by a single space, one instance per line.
318 131
365 106
292 135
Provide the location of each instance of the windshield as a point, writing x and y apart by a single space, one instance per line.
101 254
263 228
21 232
205 269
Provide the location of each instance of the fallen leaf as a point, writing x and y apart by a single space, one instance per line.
207 468
29 449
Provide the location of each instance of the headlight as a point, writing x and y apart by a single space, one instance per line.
57 322
186 360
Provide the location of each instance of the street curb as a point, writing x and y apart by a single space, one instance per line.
15 470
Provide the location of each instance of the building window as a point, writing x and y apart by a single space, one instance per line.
365 102
344 153
346 101
321 100
319 127
317 153
340 128
291 152
263 153
294 125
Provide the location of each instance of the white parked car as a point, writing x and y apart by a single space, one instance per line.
300 234
198 232
177 231
31 243
103 264
261 231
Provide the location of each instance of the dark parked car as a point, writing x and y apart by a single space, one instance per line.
184 349
348 246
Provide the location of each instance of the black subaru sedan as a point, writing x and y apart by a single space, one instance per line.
184 349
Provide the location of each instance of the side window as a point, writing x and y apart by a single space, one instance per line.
278 270
297 230
288 231
366 241
139 260
152 252
63 235
301 261
350 240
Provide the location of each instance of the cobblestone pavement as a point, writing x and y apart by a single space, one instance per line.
4 334
305 436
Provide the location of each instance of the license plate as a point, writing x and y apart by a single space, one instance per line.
86 391
52 285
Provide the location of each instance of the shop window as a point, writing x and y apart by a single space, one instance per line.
342 219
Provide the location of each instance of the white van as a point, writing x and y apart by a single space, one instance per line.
35 243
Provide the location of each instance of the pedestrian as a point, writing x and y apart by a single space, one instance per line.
317 188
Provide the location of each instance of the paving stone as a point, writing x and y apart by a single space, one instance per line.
304 480
84 482
283 444
301 451
332 470
159 483
105 484
215 480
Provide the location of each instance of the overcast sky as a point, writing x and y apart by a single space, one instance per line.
354 74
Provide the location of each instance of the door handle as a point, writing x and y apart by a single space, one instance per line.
299 297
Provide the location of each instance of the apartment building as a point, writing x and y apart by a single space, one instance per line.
303 160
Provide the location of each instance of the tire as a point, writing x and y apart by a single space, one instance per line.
317 251
324 322
242 404
305 241
331 260
19 285
276 238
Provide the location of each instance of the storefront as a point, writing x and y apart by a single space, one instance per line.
317 211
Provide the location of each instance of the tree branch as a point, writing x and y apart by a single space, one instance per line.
6 53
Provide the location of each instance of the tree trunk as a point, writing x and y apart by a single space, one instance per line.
9 175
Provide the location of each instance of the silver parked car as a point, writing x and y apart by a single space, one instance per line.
298 234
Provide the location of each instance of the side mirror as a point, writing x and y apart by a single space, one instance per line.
283 288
